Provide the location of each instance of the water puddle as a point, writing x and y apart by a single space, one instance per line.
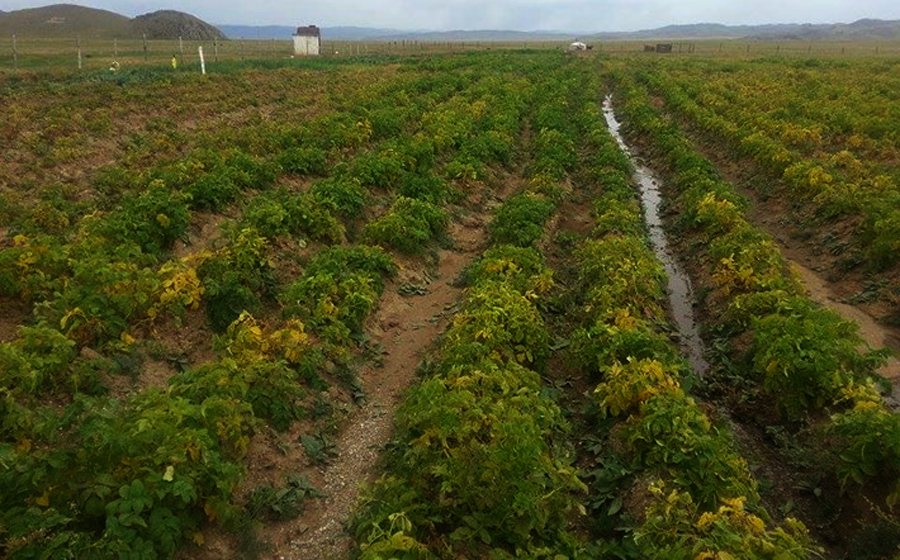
681 296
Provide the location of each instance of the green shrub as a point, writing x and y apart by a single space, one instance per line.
214 180
881 237
500 323
236 278
213 191
153 220
407 226
304 161
868 446
676 529
38 360
379 170
428 188
370 261
339 289
495 467
805 358
613 215
671 434
282 212
101 295
521 268
621 275
343 195
271 388
248 172
554 154
520 221
135 479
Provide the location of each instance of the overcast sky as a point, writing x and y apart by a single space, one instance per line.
525 15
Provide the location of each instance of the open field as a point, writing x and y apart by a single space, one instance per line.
411 302
58 54
62 54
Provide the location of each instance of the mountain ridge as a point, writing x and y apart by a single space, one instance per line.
866 28
71 21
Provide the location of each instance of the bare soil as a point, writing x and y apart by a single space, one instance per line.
191 339
826 282
204 232
817 269
405 327
13 313
792 483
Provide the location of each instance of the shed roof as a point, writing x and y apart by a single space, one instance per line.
308 31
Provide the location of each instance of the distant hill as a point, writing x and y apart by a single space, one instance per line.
70 21
284 32
64 21
696 31
858 30
168 24
862 29
484 35
375 34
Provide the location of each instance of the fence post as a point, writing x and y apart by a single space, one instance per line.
15 54
78 42
144 39
216 46
115 48
202 62
242 48
181 49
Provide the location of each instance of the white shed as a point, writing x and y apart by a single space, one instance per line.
307 40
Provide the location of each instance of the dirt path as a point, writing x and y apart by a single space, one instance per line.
767 216
771 216
13 313
875 334
405 327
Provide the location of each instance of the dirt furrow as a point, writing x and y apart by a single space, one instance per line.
825 292
405 328
768 214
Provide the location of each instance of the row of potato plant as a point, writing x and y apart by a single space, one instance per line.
821 160
99 278
479 467
139 475
669 474
806 358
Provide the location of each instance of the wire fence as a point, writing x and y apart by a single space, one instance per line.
96 54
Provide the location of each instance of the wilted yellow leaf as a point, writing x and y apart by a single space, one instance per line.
44 500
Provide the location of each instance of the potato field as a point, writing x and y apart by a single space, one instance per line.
409 307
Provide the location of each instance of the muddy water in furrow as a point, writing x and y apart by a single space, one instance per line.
681 297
